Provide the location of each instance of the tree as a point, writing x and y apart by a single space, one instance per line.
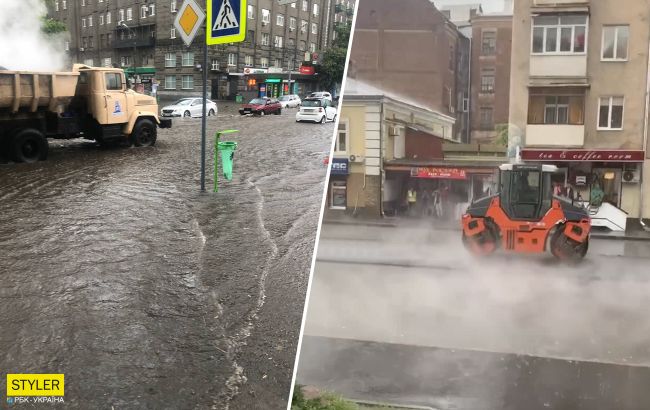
502 134
52 26
332 65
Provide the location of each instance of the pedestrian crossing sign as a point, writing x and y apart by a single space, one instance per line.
226 21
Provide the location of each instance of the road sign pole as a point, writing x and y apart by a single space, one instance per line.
205 114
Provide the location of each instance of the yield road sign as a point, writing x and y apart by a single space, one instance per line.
188 20
226 21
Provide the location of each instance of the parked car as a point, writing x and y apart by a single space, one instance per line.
188 107
261 106
320 94
316 110
290 101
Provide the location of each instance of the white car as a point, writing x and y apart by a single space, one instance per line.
320 94
188 107
316 110
290 101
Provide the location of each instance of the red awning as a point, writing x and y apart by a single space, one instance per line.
582 155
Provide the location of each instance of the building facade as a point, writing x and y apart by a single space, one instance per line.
490 81
578 99
139 36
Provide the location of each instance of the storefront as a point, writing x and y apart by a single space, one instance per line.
443 190
274 83
596 177
337 190
141 78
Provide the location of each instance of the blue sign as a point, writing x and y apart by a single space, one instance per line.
339 166
226 21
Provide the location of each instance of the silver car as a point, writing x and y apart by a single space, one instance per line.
188 107
290 101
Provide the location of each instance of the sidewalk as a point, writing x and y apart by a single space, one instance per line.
634 231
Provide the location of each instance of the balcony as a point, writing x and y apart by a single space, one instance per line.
134 42
546 3
558 65
555 135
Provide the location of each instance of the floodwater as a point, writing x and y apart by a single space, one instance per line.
116 271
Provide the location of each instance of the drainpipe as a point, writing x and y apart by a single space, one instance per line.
381 159
468 136
645 141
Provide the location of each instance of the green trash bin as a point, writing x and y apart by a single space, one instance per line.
227 149
239 98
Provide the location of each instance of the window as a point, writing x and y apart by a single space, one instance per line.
188 59
279 20
556 109
248 60
266 16
152 10
172 33
121 14
291 43
67 46
266 39
610 113
65 4
305 5
312 47
559 34
314 28
83 2
89 62
278 42
172 8
315 9
170 60
56 5
303 26
109 39
292 22
341 146
91 42
101 20
486 118
303 45
615 41
108 18
232 59
251 11
107 62
265 62
277 63
338 195
215 64
129 14
250 36
83 22
187 82
170 82
489 42
293 5
452 57
143 11
487 80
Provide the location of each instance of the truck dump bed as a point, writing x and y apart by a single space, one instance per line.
31 91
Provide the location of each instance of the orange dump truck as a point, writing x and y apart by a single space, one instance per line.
87 102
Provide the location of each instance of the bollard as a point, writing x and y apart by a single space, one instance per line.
227 149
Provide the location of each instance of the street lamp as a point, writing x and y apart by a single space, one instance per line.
121 24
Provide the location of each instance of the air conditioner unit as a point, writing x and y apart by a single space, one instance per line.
291 29
631 174
452 109
394 130
81 49
264 23
355 158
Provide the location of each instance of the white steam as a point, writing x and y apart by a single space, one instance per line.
24 46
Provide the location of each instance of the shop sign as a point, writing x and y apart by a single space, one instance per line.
582 155
251 70
439 173
581 180
275 70
340 166
309 70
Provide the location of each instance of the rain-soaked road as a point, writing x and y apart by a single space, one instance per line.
145 293
404 315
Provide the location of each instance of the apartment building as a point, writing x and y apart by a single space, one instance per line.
490 81
139 36
579 79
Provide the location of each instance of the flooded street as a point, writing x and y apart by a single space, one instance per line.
406 316
116 271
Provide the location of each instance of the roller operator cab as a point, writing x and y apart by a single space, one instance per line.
88 102
525 217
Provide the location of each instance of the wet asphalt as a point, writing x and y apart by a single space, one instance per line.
406 316
148 294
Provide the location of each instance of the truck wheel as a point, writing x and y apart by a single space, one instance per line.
29 145
144 134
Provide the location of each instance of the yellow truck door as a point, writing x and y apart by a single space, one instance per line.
113 93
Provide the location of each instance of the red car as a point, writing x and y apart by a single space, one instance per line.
262 106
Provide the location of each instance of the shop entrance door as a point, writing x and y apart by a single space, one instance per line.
338 195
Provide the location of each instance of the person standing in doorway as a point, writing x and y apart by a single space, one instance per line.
411 199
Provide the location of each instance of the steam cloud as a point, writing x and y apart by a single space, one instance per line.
24 46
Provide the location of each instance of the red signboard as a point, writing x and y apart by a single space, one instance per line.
582 155
309 70
443 173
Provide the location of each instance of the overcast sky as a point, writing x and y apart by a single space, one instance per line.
489 6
